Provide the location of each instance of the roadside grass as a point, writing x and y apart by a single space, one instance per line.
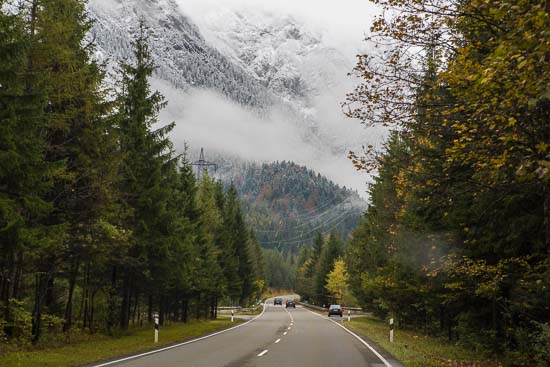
101 347
418 350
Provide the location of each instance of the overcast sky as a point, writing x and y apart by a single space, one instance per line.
342 22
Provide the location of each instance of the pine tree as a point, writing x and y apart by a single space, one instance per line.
25 175
210 279
236 242
148 160
78 142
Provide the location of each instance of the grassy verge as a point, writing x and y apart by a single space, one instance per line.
417 350
100 347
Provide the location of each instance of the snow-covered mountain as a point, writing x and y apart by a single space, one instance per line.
183 57
277 49
243 83
288 57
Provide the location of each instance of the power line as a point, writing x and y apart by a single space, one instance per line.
336 221
310 221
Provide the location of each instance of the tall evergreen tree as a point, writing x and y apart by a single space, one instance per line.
236 242
25 174
78 142
148 160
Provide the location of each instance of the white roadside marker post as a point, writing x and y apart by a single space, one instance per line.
349 315
232 314
391 330
156 328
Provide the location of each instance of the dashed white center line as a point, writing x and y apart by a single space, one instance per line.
262 353
278 340
289 328
285 333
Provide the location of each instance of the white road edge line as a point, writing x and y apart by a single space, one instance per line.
180 344
278 340
386 363
291 318
262 353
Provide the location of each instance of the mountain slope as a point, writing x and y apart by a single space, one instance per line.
287 204
277 69
182 55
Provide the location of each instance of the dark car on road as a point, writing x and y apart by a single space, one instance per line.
278 301
290 303
335 310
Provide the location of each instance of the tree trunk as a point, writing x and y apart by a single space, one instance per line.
185 310
112 300
125 306
212 307
150 310
136 301
49 297
69 307
41 282
84 303
161 311
139 320
92 309
546 213
198 307
17 278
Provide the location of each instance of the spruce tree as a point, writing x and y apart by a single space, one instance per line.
148 160
25 175
210 279
78 143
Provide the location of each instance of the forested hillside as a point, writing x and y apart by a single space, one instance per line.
102 224
288 204
456 240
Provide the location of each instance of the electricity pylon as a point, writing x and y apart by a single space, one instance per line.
203 166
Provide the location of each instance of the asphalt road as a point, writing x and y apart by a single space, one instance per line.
279 337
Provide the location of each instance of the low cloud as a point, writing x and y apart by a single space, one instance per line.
207 119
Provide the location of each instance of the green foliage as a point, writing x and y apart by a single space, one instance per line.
313 267
102 224
457 235
19 325
288 204
279 269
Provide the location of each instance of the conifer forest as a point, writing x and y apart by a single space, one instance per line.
104 224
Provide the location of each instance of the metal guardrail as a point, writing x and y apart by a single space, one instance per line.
354 310
239 308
